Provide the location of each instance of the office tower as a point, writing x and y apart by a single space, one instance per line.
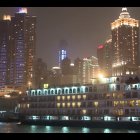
104 54
78 69
62 51
23 37
90 69
40 70
5 46
125 43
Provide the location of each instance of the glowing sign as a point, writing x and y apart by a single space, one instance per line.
100 47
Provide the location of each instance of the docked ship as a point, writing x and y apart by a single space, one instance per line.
107 101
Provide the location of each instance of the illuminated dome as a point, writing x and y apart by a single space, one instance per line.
124 13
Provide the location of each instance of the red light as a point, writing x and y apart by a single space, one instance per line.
100 47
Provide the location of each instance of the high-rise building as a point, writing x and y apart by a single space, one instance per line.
17 50
90 69
104 54
23 39
125 44
5 47
62 51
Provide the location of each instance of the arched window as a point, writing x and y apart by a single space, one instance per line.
74 90
70 90
86 90
78 90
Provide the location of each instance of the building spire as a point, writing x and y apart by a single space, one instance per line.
124 13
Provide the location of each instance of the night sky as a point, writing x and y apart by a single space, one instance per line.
84 28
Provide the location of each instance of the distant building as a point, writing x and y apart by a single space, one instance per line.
62 51
40 73
125 45
90 69
104 54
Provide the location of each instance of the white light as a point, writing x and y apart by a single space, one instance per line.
23 10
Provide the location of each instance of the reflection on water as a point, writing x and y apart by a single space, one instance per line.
18 128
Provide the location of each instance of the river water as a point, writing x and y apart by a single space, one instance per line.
18 128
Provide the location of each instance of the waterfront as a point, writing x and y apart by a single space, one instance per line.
17 128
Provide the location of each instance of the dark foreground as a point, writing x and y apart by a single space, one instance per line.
89 124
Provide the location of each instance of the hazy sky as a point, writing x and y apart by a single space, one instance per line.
84 28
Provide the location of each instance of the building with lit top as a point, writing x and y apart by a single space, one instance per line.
125 44
5 46
62 51
17 50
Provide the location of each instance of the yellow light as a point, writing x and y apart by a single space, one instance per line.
68 97
73 104
58 104
100 75
7 96
73 97
6 17
84 111
63 97
79 96
46 85
63 104
58 97
84 97
79 104
68 104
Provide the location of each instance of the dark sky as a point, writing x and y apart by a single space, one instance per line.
84 28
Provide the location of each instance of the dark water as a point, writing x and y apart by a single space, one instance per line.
17 128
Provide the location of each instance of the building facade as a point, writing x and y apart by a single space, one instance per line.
104 54
125 44
17 49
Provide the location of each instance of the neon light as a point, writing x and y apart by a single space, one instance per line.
23 10
100 47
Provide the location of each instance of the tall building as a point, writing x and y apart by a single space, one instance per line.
62 51
23 39
5 47
90 69
125 43
104 54
17 50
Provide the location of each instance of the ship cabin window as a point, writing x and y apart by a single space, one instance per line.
70 90
90 89
52 92
48 92
62 91
74 90
86 90
66 91
59 91
78 90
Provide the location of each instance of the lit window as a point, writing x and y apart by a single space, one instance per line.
68 97
73 104
73 97
79 104
96 104
68 104
84 111
58 97
63 97
84 97
58 104
63 104
79 96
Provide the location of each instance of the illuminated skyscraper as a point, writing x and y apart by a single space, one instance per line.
5 46
23 37
125 43
62 51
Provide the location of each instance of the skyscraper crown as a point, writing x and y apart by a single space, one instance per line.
124 13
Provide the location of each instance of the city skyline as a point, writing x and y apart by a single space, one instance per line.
81 27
